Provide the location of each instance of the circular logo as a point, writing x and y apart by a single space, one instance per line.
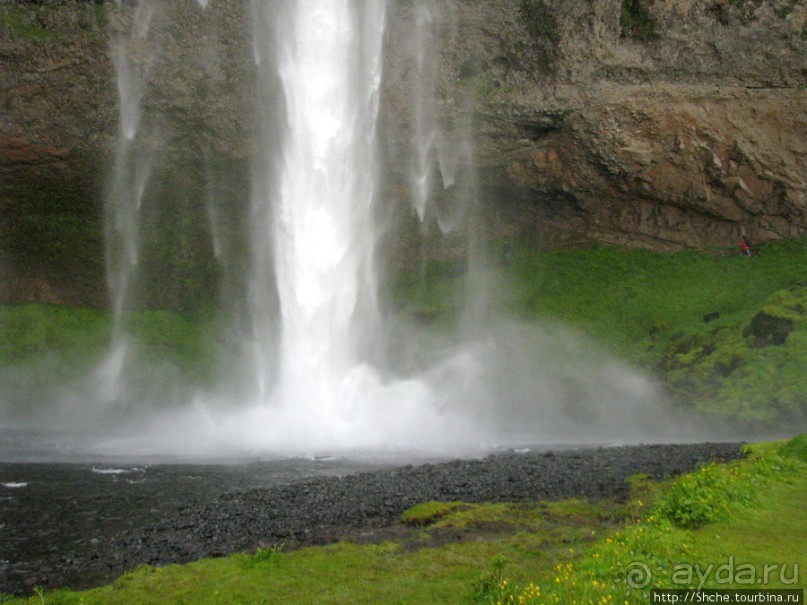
638 575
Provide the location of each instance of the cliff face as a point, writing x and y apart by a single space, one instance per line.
665 124
189 71
683 125
57 108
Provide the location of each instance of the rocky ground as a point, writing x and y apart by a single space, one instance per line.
326 508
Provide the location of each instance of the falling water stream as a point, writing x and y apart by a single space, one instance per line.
314 365
321 230
133 55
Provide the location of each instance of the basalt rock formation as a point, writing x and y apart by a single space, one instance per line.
644 123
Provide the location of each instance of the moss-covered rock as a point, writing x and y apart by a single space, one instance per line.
754 373
768 329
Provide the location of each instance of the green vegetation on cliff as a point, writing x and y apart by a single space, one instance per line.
81 336
24 23
723 332
49 351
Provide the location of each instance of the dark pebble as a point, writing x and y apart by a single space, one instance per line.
316 510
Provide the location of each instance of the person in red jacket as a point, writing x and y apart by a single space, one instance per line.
745 245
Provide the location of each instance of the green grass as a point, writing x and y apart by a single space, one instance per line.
635 300
188 340
645 307
31 333
428 512
566 552
757 541
28 331
649 308
639 298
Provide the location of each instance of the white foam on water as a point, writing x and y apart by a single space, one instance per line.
116 471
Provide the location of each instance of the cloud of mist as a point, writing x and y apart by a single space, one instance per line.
512 385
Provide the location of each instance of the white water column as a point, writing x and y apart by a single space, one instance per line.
315 222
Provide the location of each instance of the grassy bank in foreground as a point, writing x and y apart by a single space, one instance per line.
740 518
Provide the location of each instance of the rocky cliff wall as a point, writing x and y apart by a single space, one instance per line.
659 123
682 124
59 133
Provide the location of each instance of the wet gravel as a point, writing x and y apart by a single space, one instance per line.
89 537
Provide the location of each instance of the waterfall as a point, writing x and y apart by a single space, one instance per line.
446 153
316 324
313 236
426 134
314 338
133 56
431 149
309 347
323 233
